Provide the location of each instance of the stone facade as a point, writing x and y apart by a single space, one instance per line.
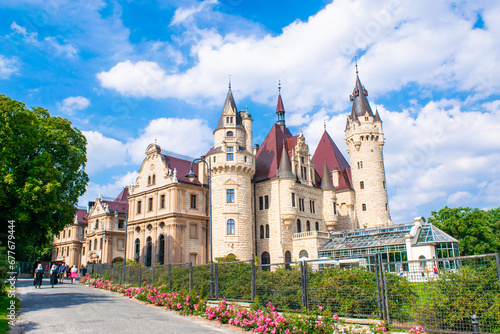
67 246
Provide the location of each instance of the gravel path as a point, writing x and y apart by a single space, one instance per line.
76 308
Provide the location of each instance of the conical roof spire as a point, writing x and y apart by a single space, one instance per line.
280 109
229 109
285 168
326 180
360 105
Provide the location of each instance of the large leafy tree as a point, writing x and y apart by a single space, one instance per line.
42 160
476 230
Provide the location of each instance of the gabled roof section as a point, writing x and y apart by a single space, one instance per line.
359 99
123 196
182 167
328 152
269 154
81 216
377 117
229 108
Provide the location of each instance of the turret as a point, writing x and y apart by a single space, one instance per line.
365 141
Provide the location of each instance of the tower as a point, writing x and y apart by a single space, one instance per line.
365 140
232 166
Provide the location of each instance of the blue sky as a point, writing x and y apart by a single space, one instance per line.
127 72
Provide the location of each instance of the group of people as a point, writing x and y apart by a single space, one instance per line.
56 274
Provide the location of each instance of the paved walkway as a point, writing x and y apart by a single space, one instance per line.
76 308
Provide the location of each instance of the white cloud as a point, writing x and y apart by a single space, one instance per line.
73 103
48 44
103 152
182 14
428 43
111 189
191 137
8 66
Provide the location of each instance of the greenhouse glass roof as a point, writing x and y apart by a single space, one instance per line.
386 236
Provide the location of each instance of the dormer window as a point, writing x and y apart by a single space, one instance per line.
229 120
367 118
229 154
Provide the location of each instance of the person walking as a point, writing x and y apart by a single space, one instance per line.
38 276
73 274
54 273
62 272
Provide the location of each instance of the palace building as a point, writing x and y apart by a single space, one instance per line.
273 201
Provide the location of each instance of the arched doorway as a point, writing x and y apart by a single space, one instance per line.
288 259
303 254
149 249
161 247
265 261
137 249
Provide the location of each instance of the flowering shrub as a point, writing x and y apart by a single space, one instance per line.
266 320
417 330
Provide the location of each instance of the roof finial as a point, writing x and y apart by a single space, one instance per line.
246 108
279 86
356 62
324 124
156 139
229 81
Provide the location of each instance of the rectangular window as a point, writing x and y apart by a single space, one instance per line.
193 231
193 201
383 183
120 244
69 233
360 164
83 250
293 200
311 206
334 208
362 185
193 257
266 202
363 206
150 204
120 224
301 204
139 206
162 201
261 203
229 154
230 195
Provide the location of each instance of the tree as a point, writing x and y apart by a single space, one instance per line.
42 161
473 228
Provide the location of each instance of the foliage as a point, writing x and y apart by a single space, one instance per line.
477 231
281 287
42 160
455 296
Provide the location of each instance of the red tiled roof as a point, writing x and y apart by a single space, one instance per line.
183 167
81 216
113 206
269 154
329 152
122 197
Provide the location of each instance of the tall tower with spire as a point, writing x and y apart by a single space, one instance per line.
365 141
232 166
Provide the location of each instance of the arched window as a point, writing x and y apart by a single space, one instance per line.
230 227
303 254
90 244
308 226
149 249
137 249
262 231
317 226
265 261
95 244
288 259
154 179
161 249
267 231
100 243
299 227
229 133
149 180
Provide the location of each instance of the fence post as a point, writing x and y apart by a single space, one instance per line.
153 278
216 279
303 281
497 259
140 276
190 276
254 280
377 272
475 324
384 287
169 276
129 274
113 279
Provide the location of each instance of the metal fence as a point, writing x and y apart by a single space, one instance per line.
440 294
